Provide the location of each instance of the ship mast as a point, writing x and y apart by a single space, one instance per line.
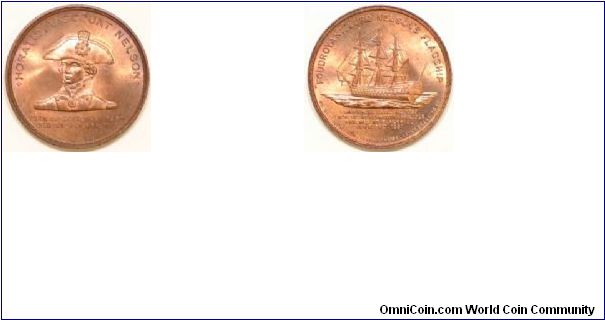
359 65
395 66
380 55
395 62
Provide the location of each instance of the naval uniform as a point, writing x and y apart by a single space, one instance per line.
80 100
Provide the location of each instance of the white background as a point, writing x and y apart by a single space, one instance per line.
237 211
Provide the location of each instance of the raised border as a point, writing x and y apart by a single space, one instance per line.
407 140
54 142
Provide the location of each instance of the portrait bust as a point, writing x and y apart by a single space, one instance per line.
79 57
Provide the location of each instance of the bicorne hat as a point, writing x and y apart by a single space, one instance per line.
81 48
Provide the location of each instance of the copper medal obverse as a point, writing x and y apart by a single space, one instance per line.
77 77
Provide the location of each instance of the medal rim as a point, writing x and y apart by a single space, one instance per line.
402 142
37 133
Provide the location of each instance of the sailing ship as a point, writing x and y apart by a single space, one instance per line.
380 72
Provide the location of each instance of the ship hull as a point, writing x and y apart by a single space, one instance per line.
407 91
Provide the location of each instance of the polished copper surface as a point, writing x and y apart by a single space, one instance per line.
77 77
380 77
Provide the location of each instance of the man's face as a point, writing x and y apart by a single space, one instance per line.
72 71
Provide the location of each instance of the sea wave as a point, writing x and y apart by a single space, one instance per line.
350 101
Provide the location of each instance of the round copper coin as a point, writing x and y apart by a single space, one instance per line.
380 77
77 77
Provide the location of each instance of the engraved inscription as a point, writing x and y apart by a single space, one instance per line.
405 22
321 60
363 120
435 56
131 51
19 66
75 122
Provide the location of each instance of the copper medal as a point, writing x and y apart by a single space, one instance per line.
380 77
77 77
